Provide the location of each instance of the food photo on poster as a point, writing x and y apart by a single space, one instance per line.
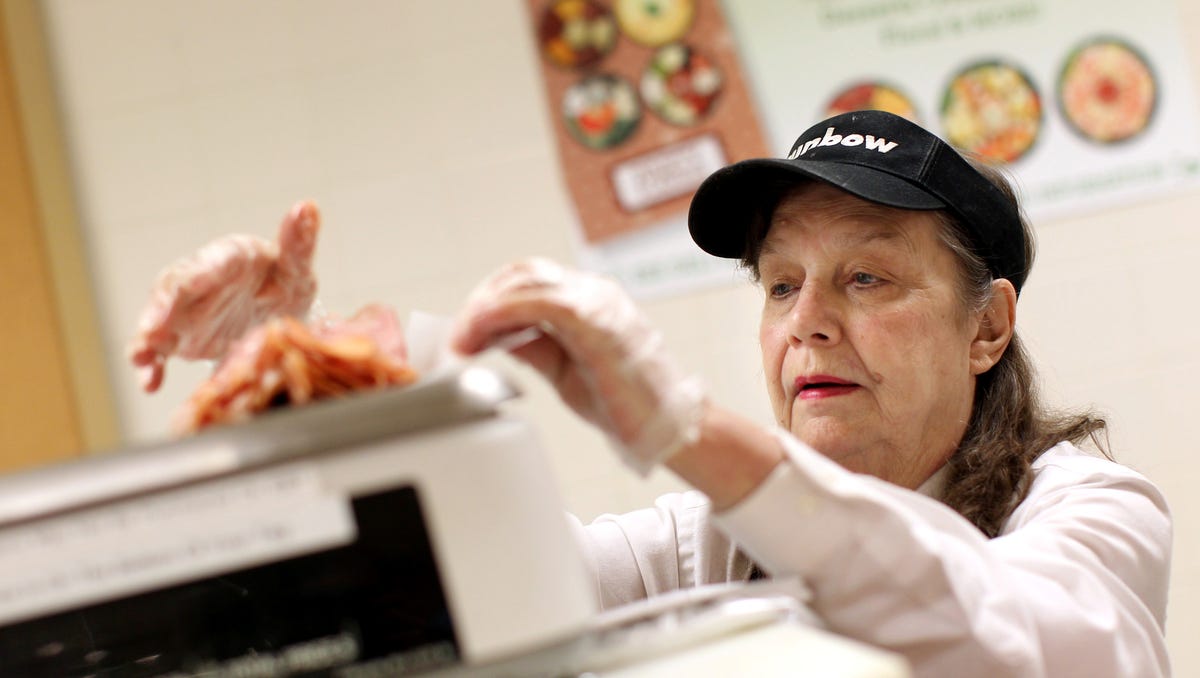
646 99
1089 107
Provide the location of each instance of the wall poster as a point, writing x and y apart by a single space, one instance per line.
1088 104
647 98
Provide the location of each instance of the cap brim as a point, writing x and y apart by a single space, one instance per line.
726 204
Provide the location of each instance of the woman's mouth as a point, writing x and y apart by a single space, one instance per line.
814 386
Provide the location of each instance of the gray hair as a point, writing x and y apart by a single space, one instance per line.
1010 427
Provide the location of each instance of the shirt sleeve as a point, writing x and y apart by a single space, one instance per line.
1076 586
652 551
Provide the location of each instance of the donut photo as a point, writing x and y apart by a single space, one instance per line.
1106 91
601 110
992 109
680 84
654 23
872 95
576 33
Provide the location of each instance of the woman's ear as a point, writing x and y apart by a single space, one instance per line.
996 324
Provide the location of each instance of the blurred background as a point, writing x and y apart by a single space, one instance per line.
136 131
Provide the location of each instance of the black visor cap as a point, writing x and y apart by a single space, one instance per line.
879 157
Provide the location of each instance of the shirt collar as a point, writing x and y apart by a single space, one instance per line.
935 484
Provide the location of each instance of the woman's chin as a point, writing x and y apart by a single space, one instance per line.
827 435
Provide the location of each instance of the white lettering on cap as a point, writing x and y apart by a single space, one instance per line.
869 141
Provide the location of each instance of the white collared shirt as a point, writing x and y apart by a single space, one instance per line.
1075 585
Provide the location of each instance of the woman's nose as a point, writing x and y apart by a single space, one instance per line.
815 317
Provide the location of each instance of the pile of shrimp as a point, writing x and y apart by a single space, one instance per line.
286 362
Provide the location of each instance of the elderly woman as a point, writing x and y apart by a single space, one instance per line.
914 482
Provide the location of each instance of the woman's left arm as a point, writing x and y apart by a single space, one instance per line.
1077 585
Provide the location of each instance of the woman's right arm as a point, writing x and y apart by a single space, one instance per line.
1076 587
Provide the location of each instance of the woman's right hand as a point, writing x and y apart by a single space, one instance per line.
201 304
596 348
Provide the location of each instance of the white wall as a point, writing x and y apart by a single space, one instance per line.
420 129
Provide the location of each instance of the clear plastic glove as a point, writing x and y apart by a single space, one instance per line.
201 304
598 351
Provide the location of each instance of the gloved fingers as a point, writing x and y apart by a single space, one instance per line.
545 355
580 326
292 285
574 385
151 376
154 341
172 321
213 302
529 273
298 237
229 266
598 350
597 326
149 363
511 299
537 293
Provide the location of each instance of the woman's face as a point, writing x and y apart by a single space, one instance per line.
866 346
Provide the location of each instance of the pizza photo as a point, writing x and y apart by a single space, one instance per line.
992 109
1106 91
873 96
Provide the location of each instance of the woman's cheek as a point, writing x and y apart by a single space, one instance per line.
773 347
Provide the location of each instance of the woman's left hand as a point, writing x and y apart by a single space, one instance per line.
203 303
596 349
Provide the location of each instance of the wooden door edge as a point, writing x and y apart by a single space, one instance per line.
41 123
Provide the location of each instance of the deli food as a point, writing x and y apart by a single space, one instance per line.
287 362
1106 91
576 33
601 110
993 110
680 84
874 96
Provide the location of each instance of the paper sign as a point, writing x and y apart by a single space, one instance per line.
167 538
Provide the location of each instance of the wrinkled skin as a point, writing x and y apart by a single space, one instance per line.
201 304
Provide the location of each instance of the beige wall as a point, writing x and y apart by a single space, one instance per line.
419 128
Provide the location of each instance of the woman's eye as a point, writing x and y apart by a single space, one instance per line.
780 289
865 279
